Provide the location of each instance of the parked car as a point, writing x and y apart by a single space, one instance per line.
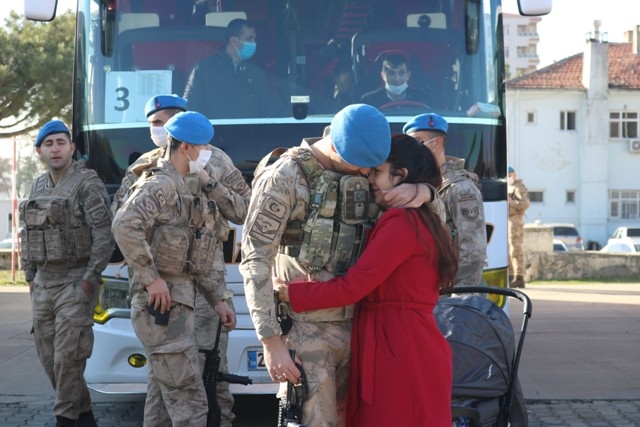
568 234
631 233
558 246
624 245
6 244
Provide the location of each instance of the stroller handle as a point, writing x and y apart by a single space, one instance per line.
527 309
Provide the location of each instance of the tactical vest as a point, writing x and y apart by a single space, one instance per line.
191 244
340 214
52 232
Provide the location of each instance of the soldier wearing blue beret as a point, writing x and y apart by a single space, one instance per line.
67 242
461 195
224 185
168 238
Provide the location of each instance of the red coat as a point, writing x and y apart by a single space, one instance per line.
401 364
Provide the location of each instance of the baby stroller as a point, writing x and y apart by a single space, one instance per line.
486 391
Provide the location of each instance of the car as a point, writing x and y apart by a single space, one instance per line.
6 244
630 233
624 245
568 234
558 246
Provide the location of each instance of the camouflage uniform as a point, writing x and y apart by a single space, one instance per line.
62 313
321 338
162 201
518 204
232 198
465 218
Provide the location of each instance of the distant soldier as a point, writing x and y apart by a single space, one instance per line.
169 237
461 195
223 183
518 205
67 242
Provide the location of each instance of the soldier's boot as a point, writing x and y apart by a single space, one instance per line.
87 420
64 422
518 282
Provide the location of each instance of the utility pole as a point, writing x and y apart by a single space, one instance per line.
14 212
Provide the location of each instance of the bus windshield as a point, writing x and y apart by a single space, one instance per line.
311 58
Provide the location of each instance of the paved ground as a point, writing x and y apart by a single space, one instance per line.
579 366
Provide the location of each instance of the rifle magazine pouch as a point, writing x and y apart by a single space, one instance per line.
203 252
354 198
54 246
316 246
345 242
81 240
35 246
326 196
169 248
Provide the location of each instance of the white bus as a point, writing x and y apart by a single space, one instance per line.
129 50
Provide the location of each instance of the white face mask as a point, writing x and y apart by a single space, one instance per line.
159 136
195 166
396 90
511 180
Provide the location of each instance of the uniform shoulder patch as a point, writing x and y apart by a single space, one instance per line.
466 197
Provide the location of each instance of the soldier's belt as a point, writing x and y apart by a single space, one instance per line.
326 315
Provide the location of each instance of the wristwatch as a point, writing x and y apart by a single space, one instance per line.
209 186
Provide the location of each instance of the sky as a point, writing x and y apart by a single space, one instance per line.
562 32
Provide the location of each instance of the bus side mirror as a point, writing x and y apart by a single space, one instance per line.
42 10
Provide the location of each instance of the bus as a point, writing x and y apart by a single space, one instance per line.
317 56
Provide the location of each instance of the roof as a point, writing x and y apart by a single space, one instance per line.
624 72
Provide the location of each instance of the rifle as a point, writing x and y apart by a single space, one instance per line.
290 406
212 375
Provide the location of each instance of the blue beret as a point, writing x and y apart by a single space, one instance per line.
162 102
428 122
190 127
510 170
361 135
54 126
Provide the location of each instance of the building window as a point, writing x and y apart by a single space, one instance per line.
624 204
531 117
567 120
571 196
536 196
623 124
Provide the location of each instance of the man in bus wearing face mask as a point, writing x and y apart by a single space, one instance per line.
395 74
226 84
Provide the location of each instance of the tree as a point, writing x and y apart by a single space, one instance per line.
36 72
29 167
5 177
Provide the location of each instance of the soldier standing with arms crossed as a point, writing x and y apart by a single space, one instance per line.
518 205
67 243
166 235
223 183
281 203
461 196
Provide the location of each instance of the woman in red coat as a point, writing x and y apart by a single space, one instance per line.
401 363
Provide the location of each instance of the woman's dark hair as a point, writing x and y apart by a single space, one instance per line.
422 167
